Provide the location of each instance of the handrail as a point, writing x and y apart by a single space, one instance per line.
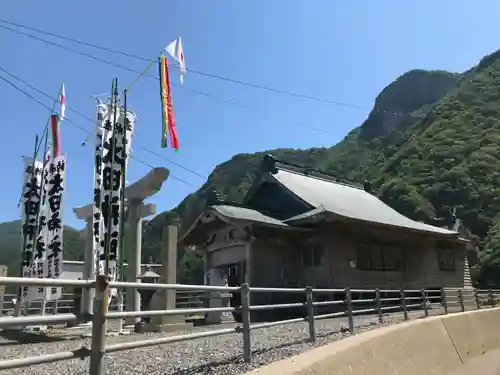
208 288
22 281
373 303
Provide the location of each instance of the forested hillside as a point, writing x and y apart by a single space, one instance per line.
430 144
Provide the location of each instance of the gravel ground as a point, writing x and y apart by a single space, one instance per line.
217 355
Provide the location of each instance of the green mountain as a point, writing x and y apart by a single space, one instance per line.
10 245
429 145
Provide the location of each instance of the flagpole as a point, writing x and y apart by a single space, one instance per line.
141 74
114 98
46 129
42 186
122 210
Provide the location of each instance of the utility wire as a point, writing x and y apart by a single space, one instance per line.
93 122
195 71
154 77
126 68
211 75
82 128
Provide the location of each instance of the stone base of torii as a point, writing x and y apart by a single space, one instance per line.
136 210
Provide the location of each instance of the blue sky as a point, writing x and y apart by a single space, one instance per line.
345 51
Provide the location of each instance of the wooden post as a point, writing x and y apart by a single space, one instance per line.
246 329
461 300
443 301
55 306
348 305
476 297
310 313
379 306
403 303
99 327
424 299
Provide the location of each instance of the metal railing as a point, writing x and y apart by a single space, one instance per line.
191 299
349 303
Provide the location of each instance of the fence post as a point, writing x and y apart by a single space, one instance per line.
403 303
443 301
310 313
379 305
348 305
43 306
424 300
461 300
245 322
99 326
476 296
491 298
55 306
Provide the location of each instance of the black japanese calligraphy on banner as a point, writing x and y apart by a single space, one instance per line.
97 223
54 226
39 255
111 156
30 206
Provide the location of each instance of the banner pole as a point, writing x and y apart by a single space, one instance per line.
122 210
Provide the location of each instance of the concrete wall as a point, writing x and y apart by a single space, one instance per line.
437 345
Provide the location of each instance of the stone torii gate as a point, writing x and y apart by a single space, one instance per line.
136 210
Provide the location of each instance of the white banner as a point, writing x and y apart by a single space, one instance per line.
98 245
55 192
108 183
40 258
30 206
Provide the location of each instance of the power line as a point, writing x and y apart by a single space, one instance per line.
38 101
126 68
173 162
195 71
82 128
93 122
154 77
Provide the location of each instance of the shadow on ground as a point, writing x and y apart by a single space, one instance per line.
18 337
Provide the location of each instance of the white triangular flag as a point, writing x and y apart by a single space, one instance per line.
175 50
62 101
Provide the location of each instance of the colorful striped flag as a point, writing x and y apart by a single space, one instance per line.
168 122
56 139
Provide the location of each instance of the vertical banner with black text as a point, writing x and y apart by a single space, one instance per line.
30 206
55 193
112 153
40 254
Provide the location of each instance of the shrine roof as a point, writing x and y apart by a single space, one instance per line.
345 200
248 214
